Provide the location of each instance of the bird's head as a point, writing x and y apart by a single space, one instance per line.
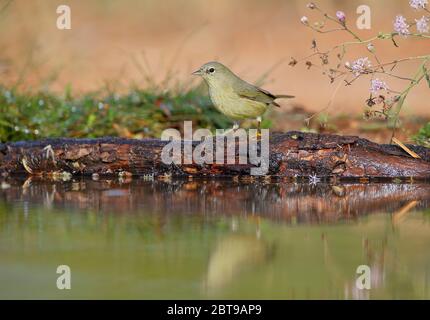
214 72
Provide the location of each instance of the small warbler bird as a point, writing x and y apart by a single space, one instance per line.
234 97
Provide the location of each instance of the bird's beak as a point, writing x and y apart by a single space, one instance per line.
197 73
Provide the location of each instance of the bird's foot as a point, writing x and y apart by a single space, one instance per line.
232 130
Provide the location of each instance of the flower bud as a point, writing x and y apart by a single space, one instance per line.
341 16
304 20
311 5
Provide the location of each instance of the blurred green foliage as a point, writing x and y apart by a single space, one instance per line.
135 114
423 136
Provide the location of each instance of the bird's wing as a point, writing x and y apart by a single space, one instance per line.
251 92
267 93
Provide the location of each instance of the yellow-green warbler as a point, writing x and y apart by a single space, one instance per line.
234 97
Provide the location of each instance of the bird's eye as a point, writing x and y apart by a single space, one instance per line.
211 70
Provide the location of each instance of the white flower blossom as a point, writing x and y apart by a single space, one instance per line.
360 66
418 4
422 24
377 85
401 26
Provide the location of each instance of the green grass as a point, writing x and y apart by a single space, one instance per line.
136 114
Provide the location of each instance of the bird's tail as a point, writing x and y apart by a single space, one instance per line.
284 96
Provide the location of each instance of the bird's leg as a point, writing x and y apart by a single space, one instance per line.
258 123
258 127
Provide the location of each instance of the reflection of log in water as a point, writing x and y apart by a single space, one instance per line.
291 154
277 201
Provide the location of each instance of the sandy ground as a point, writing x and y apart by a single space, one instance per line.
116 43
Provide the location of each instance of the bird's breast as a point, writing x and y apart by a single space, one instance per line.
232 105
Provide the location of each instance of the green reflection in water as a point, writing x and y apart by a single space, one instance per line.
141 254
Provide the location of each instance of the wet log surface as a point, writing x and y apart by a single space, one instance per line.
292 154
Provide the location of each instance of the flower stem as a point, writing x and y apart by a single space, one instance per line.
420 74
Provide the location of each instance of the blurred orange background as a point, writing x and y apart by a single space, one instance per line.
118 43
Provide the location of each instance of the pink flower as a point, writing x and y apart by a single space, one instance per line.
360 66
341 16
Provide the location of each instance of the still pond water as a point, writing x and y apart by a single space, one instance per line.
137 239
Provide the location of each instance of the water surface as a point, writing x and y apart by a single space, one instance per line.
198 239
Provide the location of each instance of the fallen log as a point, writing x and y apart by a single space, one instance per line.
292 154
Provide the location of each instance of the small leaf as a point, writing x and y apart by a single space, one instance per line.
91 119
